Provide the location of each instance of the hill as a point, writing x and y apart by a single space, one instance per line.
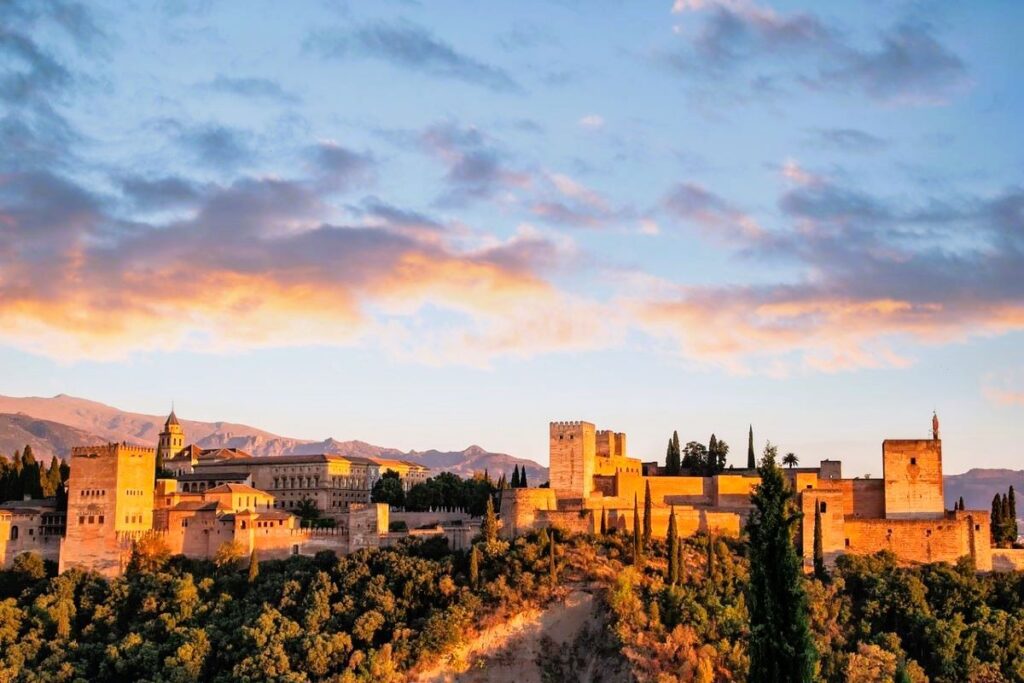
53 425
978 486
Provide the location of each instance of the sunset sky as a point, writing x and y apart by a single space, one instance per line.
426 225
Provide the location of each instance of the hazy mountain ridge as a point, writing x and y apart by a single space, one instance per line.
979 485
54 425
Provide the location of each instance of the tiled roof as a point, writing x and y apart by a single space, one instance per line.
235 488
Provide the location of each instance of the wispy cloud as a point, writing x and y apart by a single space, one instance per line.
411 47
252 87
907 65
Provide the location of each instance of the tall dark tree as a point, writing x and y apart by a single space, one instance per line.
962 502
819 548
781 649
489 525
515 477
1013 515
673 549
695 457
522 478
254 566
996 520
673 456
474 566
751 460
637 548
388 489
648 516
718 451
604 522
553 563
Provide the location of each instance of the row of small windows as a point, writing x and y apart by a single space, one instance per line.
92 493
91 519
134 492
132 519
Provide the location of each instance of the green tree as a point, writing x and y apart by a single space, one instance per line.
819 549
790 460
781 650
751 460
1013 515
604 522
388 489
515 477
710 564
673 549
648 514
996 521
307 512
522 478
489 525
718 452
695 457
637 547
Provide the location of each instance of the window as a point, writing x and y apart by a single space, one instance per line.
823 507
92 519
81 519
14 533
913 461
101 519
847 543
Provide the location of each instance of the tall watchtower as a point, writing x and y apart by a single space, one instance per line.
572 449
912 469
110 498
172 440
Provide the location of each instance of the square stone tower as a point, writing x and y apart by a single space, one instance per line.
912 469
110 501
572 448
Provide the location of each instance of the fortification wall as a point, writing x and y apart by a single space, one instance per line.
609 466
913 478
733 490
1007 559
418 519
689 520
664 490
917 540
833 529
519 509
573 521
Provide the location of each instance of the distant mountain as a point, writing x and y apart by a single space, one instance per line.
979 486
54 425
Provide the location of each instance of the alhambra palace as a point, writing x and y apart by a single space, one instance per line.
205 498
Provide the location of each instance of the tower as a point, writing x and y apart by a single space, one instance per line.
573 447
172 440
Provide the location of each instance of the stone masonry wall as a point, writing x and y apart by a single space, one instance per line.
913 478
572 448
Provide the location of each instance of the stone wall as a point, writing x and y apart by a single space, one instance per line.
913 478
1007 559
689 521
921 540
833 530
519 509
418 519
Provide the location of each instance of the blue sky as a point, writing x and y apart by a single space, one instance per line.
430 225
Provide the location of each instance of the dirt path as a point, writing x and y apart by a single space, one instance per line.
508 653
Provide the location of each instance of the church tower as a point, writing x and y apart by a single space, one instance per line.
172 440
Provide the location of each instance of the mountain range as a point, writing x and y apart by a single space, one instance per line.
53 425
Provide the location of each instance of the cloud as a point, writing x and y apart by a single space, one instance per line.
695 204
873 274
412 47
256 263
1005 389
340 168
256 88
847 140
215 145
592 122
742 39
477 168
165 192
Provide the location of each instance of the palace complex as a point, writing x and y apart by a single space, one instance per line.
197 500
904 511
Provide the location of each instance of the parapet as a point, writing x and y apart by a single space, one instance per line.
111 450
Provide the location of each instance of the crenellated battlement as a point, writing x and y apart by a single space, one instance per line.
571 423
111 450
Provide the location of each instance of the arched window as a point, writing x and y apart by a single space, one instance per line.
14 533
824 506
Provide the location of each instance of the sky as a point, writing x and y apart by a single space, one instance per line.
429 225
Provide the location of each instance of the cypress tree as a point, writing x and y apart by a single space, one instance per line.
1013 516
489 525
502 482
751 462
673 549
522 478
515 477
819 548
711 556
962 503
553 568
604 522
637 551
254 567
543 537
996 523
673 456
680 566
474 566
648 522
781 649
1005 519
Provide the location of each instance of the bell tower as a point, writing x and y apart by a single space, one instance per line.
172 440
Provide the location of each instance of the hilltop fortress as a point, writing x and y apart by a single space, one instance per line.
904 511
195 501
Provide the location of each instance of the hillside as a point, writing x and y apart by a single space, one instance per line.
53 425
978 486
